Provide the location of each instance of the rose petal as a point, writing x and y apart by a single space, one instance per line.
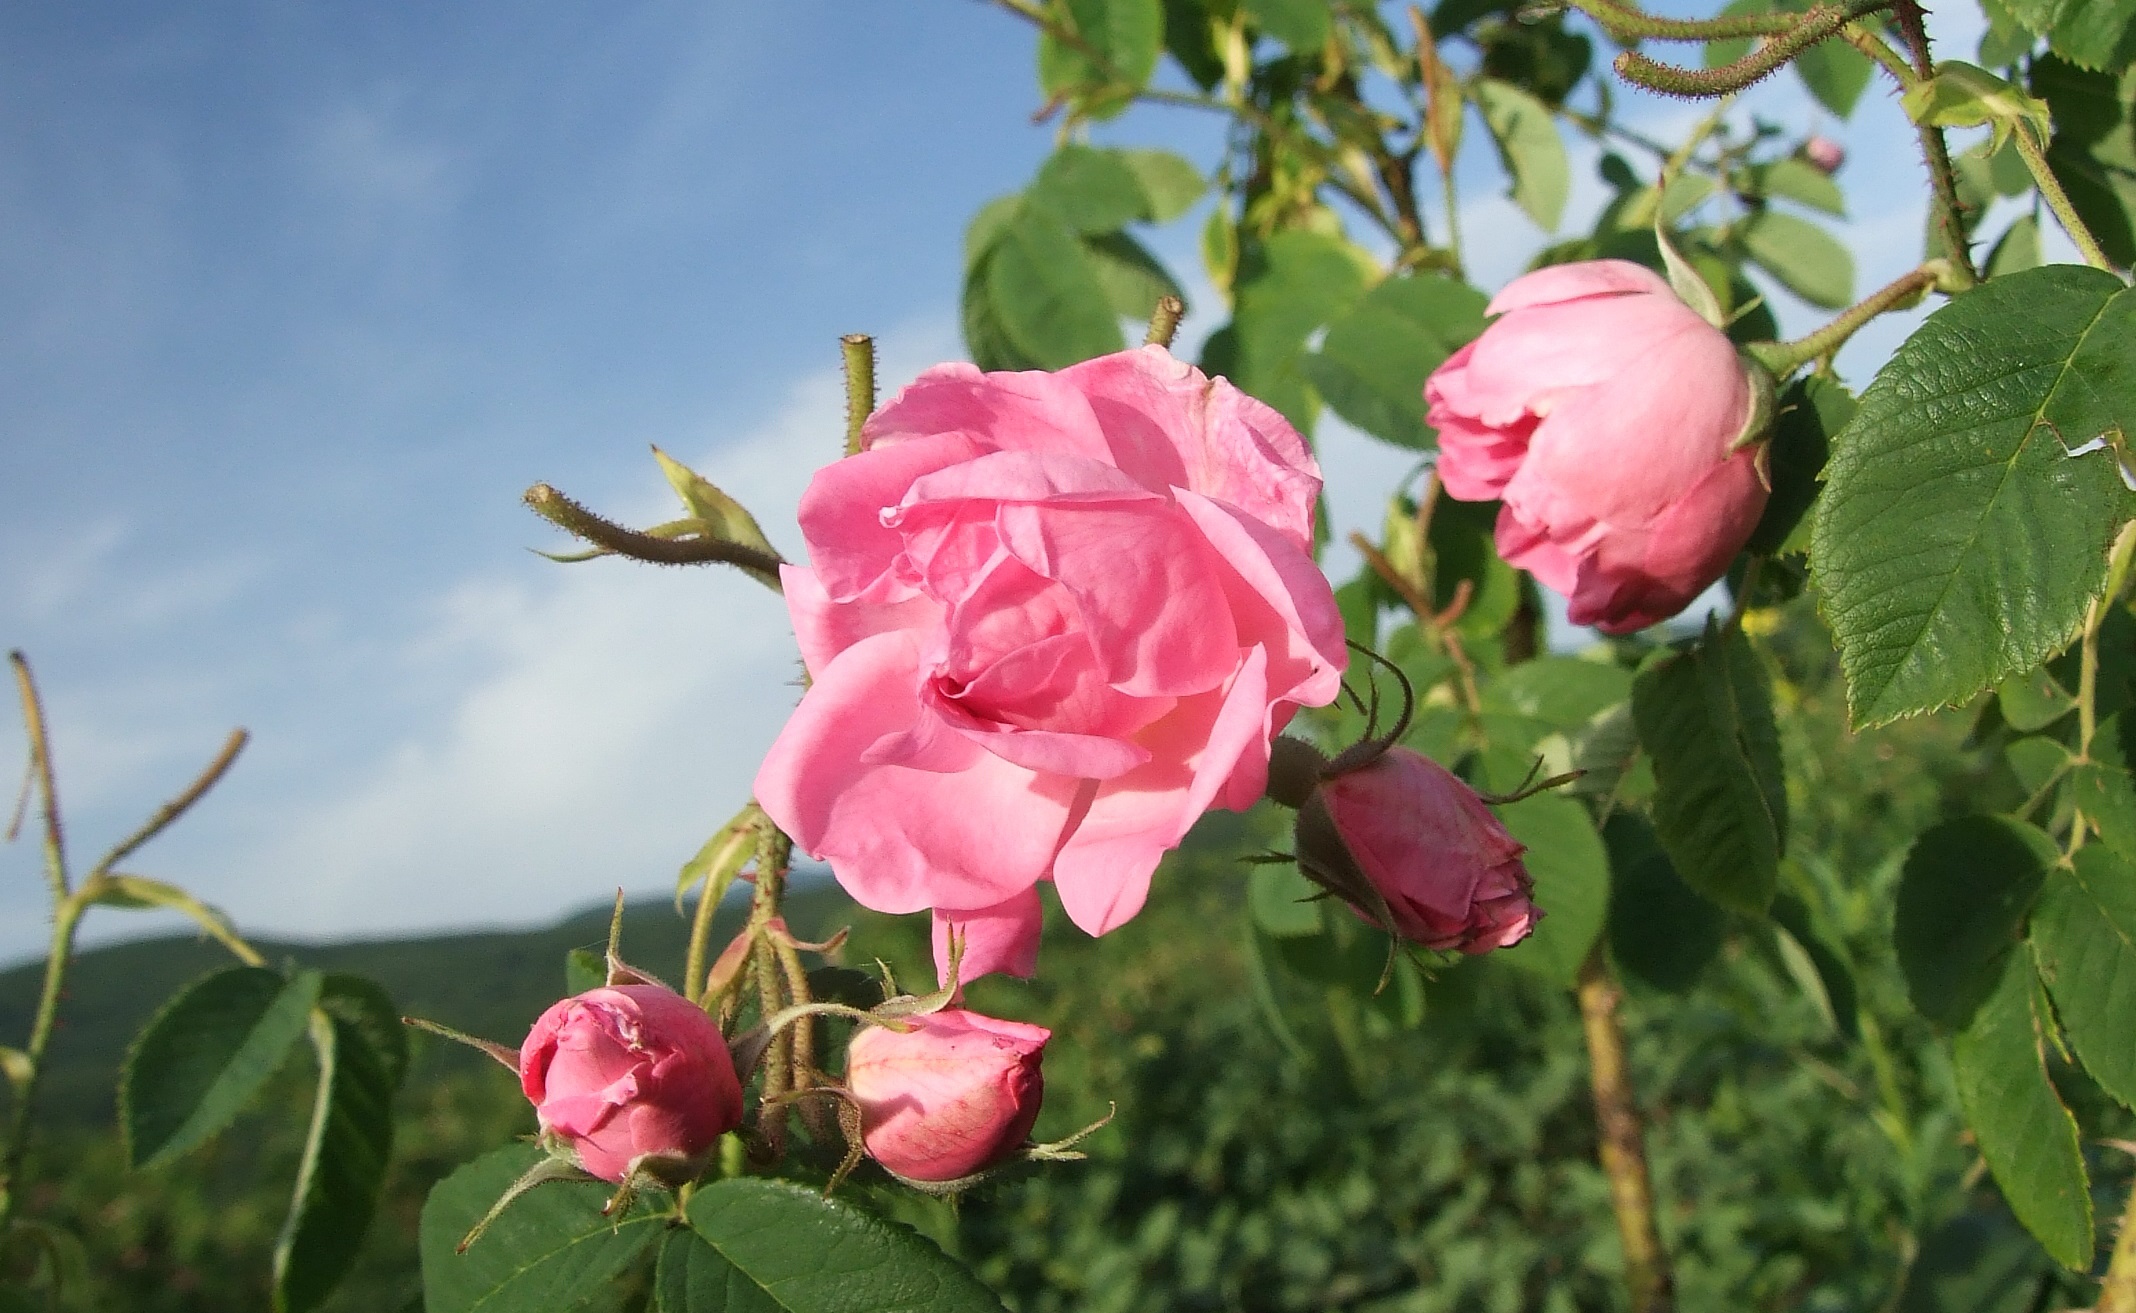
1168 425
1103 871
1033 411
901 839
824 628
1003 938
849 547
1145 584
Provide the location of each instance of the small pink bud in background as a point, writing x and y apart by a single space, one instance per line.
1826 154
1619 431
1450 874
628 1072
955 1094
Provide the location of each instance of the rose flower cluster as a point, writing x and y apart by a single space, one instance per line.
1050 619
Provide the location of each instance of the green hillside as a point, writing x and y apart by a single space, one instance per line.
491 984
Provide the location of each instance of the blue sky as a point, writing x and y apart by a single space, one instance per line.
298 299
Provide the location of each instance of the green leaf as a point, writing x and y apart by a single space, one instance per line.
2027 1137
2093 152
2033 701
1957 542
1170 184
2096 34
1115 51
1046 294
1190 37
363 1053
1463 550
584 969
1560 692
1963 896
1089 189
1817 965
2102 789
1131 277
1571 871
1303 25
1285 905
1796 180
2017 249
551 1251
1810 411
1720 800
1660 930
1529 146
1806 259
2083 934
718 515
755 1244
1287 288
1373 363
1963 95
205 1055
985 339
986 227
1835 73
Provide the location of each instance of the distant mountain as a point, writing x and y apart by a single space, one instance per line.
489 984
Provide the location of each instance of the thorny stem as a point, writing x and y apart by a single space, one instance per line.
178 806
1164 322
1037 14
1864 38
1807 29
1950 212
859 352
1427 619
55 835
1623 1142
693 962
773 851
568 515
1622 21
1784 358
66 916
70 904
2058 200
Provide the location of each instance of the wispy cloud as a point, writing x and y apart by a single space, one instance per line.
607 716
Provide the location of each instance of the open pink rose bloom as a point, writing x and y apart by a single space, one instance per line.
955 1094
1050 619
630 1071
1600 411
1450 873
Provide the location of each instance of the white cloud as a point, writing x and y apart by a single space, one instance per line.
610 716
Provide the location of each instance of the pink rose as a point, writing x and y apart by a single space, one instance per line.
1450 874
1049 619
628 1073
1601 411
955 1094
1825 154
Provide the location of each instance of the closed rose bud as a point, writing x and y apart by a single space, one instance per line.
1824 153
631 1072
1450 874
1616 428
956 1094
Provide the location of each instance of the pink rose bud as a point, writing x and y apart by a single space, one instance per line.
954 1095
1618 429
1449 872
628 1073
1825 153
